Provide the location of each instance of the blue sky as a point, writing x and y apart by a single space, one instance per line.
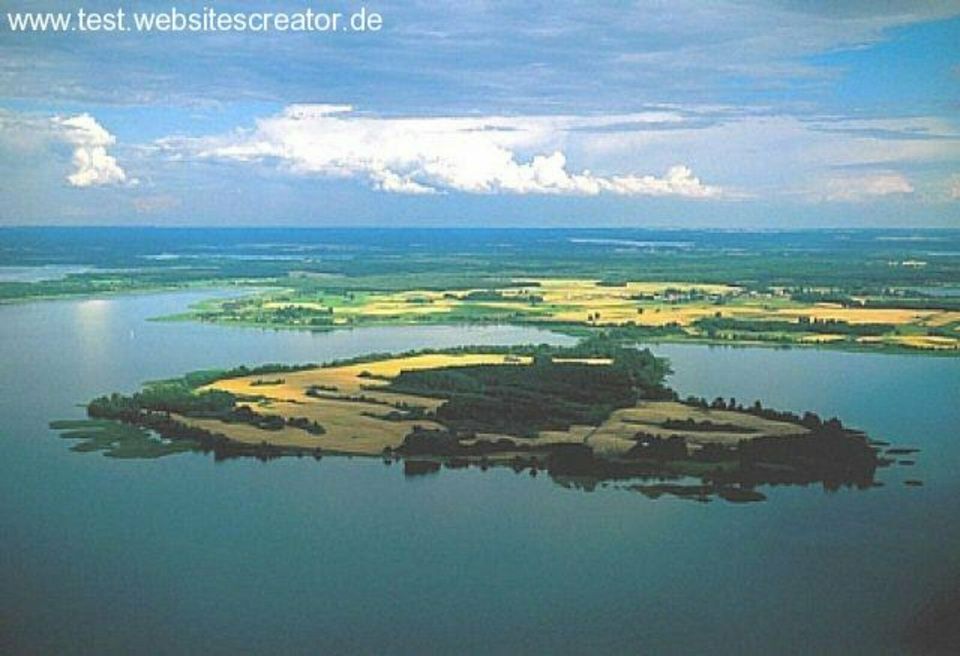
772 114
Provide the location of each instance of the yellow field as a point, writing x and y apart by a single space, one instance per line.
826 311
615 435
934 342
650 304
349 381
348 429
350 403
578 300
943 319
356 425
347 419
569 300
925 342
573 287
648 417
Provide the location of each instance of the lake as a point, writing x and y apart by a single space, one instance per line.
185 554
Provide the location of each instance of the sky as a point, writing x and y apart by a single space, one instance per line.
723 114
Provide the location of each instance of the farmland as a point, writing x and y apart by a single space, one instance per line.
652 311
592 412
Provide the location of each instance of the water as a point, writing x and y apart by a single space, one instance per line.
38 273
186 554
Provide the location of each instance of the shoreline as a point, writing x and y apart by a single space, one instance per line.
569 329
596 411
578 330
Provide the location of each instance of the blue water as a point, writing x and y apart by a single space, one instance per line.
184 554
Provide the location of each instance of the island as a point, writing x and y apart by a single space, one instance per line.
588 414
641 310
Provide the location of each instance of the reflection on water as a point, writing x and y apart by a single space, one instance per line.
346 555
94 331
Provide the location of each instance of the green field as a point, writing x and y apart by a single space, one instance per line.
671 310
865 290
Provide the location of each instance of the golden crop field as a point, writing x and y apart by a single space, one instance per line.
616 435
827 311
675 305
943 319
352 425
350 404
933 342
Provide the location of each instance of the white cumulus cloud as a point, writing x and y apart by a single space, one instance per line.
93 166
478 155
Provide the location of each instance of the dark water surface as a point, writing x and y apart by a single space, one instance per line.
183 554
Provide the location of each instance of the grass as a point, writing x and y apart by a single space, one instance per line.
615 436
346 400
673 306
350 403
117 440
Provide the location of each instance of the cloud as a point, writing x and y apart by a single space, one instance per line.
855 188
35 142
93 165
476 155
772 156
474 54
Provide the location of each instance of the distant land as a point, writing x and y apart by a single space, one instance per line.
878 290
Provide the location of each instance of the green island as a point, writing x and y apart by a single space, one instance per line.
595 413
